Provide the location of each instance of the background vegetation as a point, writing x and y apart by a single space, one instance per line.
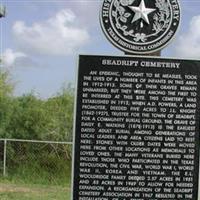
35 171
29 117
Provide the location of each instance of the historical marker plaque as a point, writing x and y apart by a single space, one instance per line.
140 26
137 129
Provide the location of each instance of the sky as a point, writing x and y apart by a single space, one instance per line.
41 41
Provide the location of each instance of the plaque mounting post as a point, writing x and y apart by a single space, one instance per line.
157 53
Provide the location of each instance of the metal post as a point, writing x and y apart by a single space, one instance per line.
157 53
2 11
4 157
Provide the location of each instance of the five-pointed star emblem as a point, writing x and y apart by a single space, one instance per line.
141 12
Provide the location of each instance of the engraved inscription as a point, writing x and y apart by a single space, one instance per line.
138 132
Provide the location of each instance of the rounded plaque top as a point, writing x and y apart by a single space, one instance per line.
140 26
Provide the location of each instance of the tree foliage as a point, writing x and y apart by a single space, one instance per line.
6 90
29 117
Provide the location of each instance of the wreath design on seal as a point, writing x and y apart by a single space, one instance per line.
161 19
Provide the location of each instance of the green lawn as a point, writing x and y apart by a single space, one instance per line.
33 192
32 183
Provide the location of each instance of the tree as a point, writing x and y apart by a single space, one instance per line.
6 91
28 117
60 111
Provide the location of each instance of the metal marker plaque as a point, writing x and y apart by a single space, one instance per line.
137 129
140 26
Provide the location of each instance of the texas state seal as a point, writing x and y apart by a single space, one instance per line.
140 26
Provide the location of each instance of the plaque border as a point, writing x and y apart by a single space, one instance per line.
136 52
78 56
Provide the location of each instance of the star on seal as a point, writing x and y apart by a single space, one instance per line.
140 26
141 12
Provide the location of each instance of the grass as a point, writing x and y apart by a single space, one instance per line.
43 171
33 192
31 183
28 196
46 178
